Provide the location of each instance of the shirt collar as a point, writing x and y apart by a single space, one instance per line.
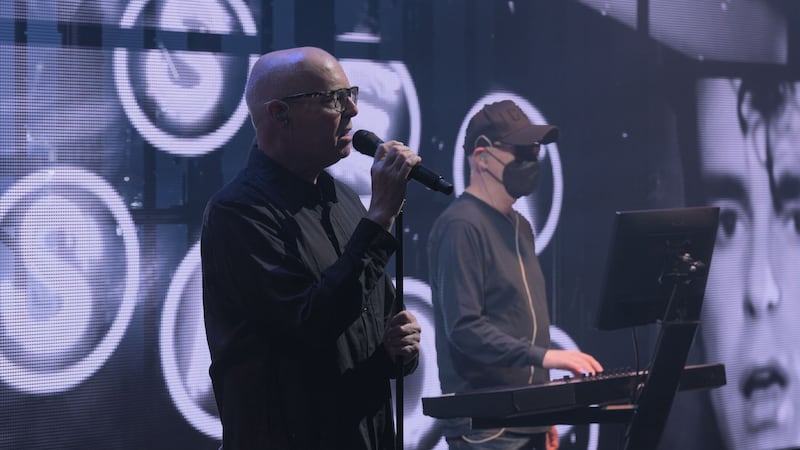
489 208
293 192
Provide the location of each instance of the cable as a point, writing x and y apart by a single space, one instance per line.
635 348
527 288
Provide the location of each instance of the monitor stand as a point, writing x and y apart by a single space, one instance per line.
677 331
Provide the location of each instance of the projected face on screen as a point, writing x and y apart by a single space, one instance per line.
387 106
750 164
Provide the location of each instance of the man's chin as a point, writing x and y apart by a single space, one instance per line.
343 153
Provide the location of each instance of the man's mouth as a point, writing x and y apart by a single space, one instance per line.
768 404
762 378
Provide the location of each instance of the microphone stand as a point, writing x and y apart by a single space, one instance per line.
399 306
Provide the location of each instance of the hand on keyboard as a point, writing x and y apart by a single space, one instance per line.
575 361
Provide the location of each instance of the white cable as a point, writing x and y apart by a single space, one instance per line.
527 289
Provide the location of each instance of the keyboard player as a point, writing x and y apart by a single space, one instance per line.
489 296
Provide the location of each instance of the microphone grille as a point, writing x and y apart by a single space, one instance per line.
366 142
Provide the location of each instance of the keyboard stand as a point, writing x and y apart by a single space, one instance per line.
570 416
652 407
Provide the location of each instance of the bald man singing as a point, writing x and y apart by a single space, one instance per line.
298 305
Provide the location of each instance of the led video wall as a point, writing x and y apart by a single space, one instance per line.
119 119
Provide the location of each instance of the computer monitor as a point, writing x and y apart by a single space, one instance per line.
651 251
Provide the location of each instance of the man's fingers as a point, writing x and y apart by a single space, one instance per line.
397 158
402 318
399 333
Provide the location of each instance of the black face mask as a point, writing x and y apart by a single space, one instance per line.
520 176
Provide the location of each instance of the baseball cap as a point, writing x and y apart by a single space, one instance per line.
505 122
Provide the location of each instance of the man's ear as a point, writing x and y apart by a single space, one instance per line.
480 158
282 116
278 110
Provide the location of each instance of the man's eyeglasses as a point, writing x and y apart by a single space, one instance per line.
337 96
522 152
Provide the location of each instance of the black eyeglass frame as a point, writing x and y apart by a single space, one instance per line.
524 152
340 96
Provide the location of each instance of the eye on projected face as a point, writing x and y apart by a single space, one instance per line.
176 99
752 303
387 106
69 290
549 152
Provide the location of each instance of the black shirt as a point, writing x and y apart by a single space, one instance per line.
295 299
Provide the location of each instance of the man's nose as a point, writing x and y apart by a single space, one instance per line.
762 293
352 108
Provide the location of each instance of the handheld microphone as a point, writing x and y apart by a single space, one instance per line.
367 142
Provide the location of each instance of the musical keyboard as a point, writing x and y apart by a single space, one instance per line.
567 393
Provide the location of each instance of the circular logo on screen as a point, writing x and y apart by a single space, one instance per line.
69 279
187 103
424 382
185 357
532 206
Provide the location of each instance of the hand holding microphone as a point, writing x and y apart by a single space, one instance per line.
367 142
391 166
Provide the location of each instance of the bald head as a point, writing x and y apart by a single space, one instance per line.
282 73
305 134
